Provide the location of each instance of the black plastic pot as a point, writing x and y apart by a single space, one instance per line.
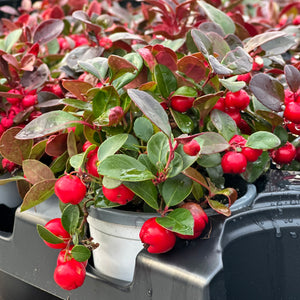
251 255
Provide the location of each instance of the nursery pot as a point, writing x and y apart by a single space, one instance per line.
117 232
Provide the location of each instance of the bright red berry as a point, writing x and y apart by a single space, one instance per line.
91 164
70 189
55 227
238 100
238 140
66 255
288 96
115 115
182 103
105 42
234 162
251 154
284 154
70 275
29 100
292 112
8 165
7 122
235 115
156 238
200 220
120 194
14 100
220 105
296 21
244 77
293 128
191 148
258 63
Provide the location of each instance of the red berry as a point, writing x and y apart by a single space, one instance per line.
14 100
297 158
289 96
8 165
293 128
292 112
200 220
235 115
91 164
220 105
238 140
7 122
120 194
115 115
296 21
182 103
258 63
238 100
234 162
55 227
70 275
29 100
156 238
70 189
284 154
251 154
66 255
105 42
244 77
191 148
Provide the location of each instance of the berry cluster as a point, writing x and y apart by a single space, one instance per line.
236 158
292 110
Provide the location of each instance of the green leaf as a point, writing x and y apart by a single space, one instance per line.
107 97
143 128
58 165
38 193
78 104
219 207
145 190
144 159
11 179
47 235
209 161
110 183
158 149
219 17
165 79
268 90
124 168
12 38
278 46
202 42
96 66
76 161
70 218
183 121
255 169
176 165
263 140
176 189
38 150
35 171
151 109
232 86
47 123
14 149
179 220
211 142
111 145
80 253
225 125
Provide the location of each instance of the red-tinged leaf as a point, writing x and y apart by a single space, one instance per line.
57 13
83 17
77 88
13 149
196 176
9 10
35 171
47 31
275 71
27 62
36 78
230 193
10 26
35 48
290 6
119 66
148 57
192 67
38 150
57 145
292 76
219 207
10 95
166 57
38 193
11 60
273 118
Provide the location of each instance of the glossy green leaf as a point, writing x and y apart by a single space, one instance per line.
144 159
13 149
80 253
219 207
218 17
47 123
110 183
143 128
225 125
263 140
145 190
70 218
96 66
124 168
76 161
38 193
151 109
183 121
211 142
176 165
111 145
78 104
11 39
165 79
179 220
208 161
176 189
158 149
35 171
47 235
232 86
